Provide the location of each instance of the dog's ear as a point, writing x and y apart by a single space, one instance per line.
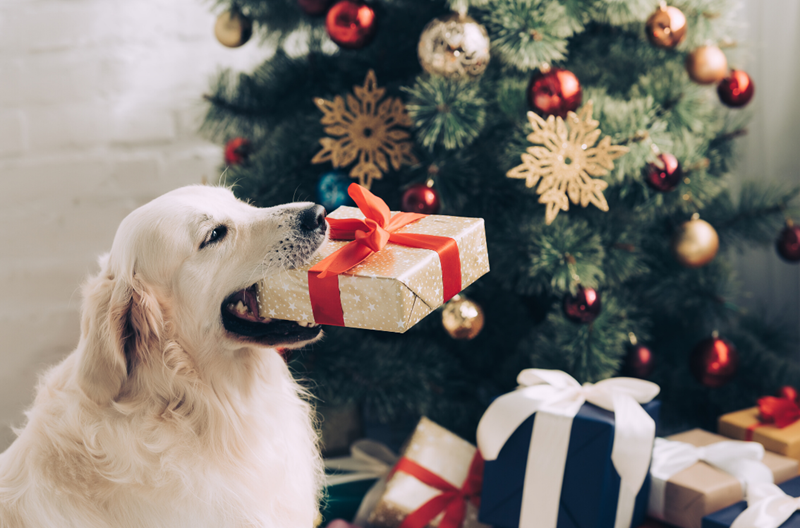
121 322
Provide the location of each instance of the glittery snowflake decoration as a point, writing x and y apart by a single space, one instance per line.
365 128
564 159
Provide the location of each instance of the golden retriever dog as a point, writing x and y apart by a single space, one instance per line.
175 410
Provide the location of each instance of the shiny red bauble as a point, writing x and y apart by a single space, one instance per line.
665 173
237 151
351 24
554 92
314 7
639 362
714 362
788 243
584 306
736 89
788 392
419 198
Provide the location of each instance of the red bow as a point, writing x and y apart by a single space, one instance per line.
452 501
370 236
780 411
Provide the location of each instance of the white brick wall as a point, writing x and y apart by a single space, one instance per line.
100 101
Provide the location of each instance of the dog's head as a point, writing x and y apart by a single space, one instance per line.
184 267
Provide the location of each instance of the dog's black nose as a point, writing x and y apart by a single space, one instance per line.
313 218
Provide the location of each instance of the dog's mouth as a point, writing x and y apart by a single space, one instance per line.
240 317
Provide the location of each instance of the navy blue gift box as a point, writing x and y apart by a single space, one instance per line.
725 517
590 488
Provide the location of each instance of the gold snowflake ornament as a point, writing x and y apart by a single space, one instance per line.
368 129
564 159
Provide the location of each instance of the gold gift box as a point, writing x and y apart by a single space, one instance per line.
702 489
439 451
784 441
391 290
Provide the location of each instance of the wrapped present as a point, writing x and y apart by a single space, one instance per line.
696 473
774 423
436 482
353 483
767 506
379 270
559 454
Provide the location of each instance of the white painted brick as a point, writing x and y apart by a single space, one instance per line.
12 132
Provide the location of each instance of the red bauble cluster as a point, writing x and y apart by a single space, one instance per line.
788 243
237 151
584 306
639 362
554 92
351 24
714 362
419 198
314 7
736 89
665 173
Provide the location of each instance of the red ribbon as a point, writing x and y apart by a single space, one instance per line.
452 500
370 236
778 411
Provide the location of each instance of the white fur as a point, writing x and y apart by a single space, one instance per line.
160 418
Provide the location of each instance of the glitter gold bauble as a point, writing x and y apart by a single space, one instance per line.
666 28
233 29
454 46
368 128
462 318
565 157
695 243
707 65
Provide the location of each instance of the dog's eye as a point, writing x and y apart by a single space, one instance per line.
216 235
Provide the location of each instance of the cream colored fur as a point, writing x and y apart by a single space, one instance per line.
160 418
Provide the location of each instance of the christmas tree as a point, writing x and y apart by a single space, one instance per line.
596 139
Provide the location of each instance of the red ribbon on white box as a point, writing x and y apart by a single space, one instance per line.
557 397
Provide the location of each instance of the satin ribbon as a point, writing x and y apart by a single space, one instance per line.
557 397
370 236
739 459
452 500
772 410
767 507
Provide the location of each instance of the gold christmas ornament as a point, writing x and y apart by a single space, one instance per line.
707 65
454 46
365 128
666 28
233 29
565 157
695 243
462 318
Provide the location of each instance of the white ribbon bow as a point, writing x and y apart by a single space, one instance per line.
740 459
767 507
557 397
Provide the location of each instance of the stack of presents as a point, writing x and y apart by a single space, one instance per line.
555 454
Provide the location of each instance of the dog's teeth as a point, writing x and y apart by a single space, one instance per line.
241 308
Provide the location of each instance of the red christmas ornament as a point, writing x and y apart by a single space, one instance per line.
665 173
639 362
788 243
788 392
237 151
554 92
351 24
714 362
583 307
314 7
736 89
419 198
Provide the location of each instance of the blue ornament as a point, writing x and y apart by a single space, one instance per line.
332 190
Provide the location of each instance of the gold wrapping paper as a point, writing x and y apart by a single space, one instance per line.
702 489
440 451
391 290
784 441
